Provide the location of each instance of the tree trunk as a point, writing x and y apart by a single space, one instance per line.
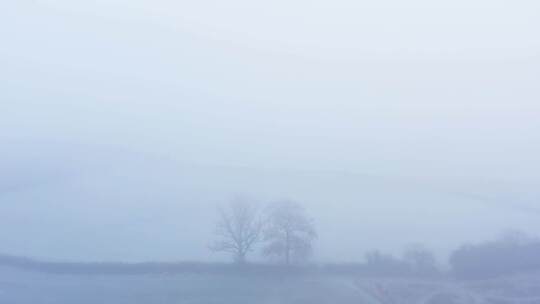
240 258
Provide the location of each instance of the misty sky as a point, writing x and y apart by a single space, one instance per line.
124 123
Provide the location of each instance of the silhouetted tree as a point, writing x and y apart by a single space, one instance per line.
289 233
378 263
420 260
238 229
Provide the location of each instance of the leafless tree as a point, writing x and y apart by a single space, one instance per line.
238 229
288 233
420 259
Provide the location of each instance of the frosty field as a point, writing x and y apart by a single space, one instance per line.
20 287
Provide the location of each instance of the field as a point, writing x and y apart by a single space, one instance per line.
19 287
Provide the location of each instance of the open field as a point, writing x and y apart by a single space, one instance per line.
19 287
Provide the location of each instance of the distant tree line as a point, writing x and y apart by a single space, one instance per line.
415 261
512 253
283 234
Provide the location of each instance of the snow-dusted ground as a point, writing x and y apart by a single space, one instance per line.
18 287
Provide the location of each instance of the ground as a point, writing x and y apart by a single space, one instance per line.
18 287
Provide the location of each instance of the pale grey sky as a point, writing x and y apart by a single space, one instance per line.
123 123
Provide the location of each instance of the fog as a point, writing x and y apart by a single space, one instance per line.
123 124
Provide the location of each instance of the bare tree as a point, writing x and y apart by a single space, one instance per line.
289 233
421 260
238 229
